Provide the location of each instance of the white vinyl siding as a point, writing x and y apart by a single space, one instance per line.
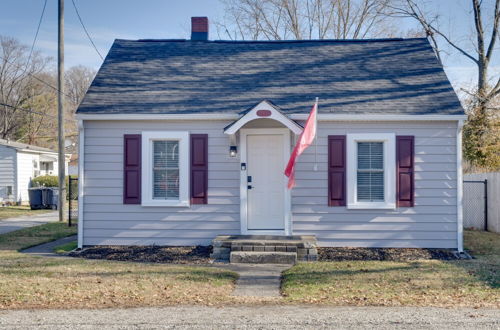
431 223
8 165
108 221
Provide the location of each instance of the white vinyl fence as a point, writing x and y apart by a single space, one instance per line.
481 204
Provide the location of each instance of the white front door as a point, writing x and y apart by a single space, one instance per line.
266 194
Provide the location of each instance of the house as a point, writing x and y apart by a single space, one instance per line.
184 140
19 164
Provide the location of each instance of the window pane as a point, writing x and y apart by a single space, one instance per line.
370 155
173 184
159 183
370 183
165 169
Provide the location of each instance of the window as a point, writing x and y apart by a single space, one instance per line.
47 166
9 190
371 170
370 181
165 169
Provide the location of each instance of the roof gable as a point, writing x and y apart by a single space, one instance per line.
398 76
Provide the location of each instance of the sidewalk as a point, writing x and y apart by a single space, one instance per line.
47 249
11 224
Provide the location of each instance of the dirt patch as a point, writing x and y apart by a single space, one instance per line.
158 254
387 254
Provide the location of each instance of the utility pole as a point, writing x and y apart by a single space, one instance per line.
60 111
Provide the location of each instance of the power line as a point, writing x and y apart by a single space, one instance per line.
36 34
32 111
35 77
85 29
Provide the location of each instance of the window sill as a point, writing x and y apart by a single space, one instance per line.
372 206
153 203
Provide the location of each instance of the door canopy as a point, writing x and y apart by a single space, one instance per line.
263 110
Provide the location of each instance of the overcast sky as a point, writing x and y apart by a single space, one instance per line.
107 20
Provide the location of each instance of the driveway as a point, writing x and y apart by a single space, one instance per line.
247 317
25 221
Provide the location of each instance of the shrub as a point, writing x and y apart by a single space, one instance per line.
53 181
45 181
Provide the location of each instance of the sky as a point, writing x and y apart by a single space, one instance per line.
107 20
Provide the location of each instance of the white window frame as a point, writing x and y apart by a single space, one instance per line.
389 140
147 169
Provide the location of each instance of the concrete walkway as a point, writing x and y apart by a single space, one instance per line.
47 249
254 317
25 221
254 280
257 280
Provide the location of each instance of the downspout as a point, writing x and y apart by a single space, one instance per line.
460 227
81 161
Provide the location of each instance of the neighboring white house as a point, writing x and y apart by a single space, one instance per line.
19 163
184 140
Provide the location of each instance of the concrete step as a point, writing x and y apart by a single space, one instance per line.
263 257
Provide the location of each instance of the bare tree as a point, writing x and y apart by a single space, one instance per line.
41 122
481 132
480 53
78 80
304 19
18 66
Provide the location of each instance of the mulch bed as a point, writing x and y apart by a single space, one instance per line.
201 254
157 254
387 254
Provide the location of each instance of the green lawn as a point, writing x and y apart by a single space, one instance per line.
66 247
38 282
17 211
28 237
473 283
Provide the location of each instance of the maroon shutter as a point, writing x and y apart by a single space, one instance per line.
336 170
132 169
405 185
199 168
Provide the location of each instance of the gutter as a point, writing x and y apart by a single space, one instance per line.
297 116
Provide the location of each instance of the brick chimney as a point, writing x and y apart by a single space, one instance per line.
199 28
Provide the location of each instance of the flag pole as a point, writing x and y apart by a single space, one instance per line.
316 138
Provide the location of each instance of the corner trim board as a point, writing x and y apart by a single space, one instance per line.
460 219
81 180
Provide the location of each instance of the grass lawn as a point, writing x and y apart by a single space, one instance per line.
472 283
37 282
17 211
66 247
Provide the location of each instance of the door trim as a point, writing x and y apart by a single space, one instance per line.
243 181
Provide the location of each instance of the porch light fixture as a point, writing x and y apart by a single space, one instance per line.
233 151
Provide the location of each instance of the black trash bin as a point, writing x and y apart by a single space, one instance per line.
50 197
36 198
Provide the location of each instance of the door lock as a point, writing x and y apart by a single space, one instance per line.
249 187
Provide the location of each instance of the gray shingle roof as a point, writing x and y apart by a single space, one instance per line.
391 76
21 146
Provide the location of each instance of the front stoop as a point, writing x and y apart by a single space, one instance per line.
264 248
253 257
